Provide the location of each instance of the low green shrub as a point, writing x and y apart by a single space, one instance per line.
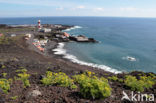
92 86
152 75
5 85
4 74
113 78
121 80
24 77
134 84
60 79
148 81
22 69
4 40
14 97
141 84
3 66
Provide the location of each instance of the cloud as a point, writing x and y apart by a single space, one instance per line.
138 10
49 3
129 9
80 7
71 8
98 9
60 8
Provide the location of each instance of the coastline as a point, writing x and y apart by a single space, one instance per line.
60 51
50 53
23 54
56 50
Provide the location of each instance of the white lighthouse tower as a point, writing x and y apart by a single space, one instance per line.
39 24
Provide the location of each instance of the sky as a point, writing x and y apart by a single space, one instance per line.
112 8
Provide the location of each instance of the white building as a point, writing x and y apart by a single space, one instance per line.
45 30
28 35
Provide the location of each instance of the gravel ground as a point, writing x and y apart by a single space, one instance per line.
24 54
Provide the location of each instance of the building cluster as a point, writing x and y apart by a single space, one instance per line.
42 29
60 36
40 44
48 27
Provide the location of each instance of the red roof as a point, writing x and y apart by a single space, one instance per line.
66 34
1 34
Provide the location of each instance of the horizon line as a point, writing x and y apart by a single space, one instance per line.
75 16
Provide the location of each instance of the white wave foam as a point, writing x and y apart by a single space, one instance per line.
60 51
129 58
75 27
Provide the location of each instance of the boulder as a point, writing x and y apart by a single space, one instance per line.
34 93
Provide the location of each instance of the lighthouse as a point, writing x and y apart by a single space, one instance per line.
39 24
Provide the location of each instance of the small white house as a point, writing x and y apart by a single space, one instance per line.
58 26
13 35
43 42
28 35
45 30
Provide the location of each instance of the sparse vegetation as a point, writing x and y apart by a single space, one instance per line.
24 77
14 97
133 83
4 74
10 30
92 86
3 66
5 85
139 85
4 40
120 80
86 85
60 79
113 78
148 81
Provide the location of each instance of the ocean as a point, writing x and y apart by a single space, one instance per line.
125 44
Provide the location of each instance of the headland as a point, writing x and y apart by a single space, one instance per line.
27 46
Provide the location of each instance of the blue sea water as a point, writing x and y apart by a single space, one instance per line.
126 44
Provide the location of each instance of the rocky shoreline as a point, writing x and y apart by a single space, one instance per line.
19 53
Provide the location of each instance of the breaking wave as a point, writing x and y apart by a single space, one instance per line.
61 51
129 58
75 27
